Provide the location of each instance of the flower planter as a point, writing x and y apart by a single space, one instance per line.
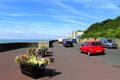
33 71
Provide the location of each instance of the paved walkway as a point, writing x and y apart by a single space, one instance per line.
68 65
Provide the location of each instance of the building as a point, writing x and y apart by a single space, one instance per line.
77 34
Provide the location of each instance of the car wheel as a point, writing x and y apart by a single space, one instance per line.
89 54
64 45
107 46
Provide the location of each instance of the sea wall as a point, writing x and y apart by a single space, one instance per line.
11 46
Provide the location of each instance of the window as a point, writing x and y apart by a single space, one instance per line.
96 43
86 43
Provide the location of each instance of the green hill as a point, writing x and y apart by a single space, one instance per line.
109 28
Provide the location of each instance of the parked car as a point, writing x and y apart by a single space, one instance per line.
108 43
67 44
92 47
74 41
60 41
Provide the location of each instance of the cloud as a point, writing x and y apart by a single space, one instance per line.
22 35
108 6
54 19
68 17
33 29
102 4
74 11
27 35
5 18
22 14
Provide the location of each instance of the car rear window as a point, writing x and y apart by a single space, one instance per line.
96 43
109 40
68 42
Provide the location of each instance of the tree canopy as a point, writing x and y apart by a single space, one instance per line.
109 28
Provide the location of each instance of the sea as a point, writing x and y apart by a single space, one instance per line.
22 40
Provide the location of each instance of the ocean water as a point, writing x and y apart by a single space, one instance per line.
21 40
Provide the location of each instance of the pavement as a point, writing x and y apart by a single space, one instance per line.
68 65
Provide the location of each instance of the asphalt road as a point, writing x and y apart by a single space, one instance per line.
71 65
112 56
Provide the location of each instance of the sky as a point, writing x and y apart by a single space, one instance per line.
52 19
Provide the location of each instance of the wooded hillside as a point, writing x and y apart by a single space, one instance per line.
109 28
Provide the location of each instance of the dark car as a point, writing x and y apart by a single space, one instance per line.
92 47
67 44
74 41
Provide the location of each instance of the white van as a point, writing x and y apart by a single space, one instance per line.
60 40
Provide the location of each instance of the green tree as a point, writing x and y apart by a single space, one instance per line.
107 28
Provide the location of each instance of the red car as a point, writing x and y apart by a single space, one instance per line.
92 47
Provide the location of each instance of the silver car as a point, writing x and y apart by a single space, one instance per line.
108 43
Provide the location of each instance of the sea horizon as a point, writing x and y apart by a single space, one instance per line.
22 40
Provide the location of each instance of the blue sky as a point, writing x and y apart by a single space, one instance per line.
52 19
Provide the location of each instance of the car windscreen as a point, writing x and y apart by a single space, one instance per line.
96 43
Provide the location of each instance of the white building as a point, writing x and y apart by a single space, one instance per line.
76 33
